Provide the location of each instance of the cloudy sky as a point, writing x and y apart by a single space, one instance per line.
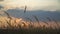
32 4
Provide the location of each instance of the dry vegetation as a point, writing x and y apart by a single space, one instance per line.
8 22
20 23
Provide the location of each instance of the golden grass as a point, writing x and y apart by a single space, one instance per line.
17 23
20 23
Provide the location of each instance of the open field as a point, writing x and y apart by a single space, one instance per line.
12 25
19 26
29 16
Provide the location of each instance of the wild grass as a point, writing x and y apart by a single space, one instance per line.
36 18
26 27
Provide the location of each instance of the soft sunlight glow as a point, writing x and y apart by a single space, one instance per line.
32 4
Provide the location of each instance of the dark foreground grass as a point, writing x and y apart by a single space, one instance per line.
29 31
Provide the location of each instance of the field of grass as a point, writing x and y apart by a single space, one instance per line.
12 25
19 26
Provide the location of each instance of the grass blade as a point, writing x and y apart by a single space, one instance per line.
36 18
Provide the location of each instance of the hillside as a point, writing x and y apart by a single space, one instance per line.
39 13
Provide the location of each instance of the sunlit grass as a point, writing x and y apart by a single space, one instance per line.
19 22
9 22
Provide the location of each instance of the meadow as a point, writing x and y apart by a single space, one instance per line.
12 25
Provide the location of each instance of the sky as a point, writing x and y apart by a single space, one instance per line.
51 5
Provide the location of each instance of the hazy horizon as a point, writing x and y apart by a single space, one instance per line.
39 8
50 5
